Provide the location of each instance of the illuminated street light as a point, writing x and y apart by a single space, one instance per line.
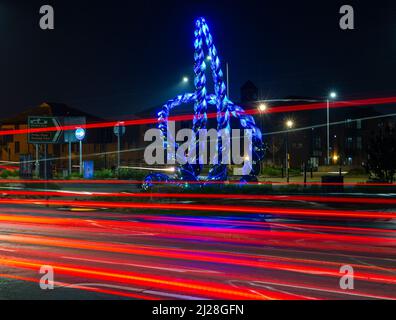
185 79
335 158
332 96
262 107
289 124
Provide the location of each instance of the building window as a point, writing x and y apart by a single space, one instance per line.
359 124
349 143
317 143
359 143
8 139
348 123
17 147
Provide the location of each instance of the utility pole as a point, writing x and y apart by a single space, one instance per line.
70 157
118 152
45 162
328 132
81 161
332 96
37 161
287 156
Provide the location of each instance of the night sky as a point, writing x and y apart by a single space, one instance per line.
117 57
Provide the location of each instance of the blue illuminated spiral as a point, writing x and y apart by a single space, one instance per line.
225 110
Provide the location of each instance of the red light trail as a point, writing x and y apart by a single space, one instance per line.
278 109
205 288
203 256
275 211
203 231
326 199
208 183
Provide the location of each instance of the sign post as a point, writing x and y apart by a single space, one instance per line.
70 158
119 130
45 163
37 168
37 134
80 135
69 135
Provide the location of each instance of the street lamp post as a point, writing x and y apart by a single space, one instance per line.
262 108
332 95
289 125
119 130
37 169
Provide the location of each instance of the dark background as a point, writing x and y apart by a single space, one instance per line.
119 57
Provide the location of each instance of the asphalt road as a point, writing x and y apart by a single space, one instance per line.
104 254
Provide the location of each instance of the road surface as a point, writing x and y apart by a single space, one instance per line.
102 253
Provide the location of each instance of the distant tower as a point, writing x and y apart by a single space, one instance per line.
249 92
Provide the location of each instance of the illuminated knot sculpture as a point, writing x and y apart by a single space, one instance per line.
225 109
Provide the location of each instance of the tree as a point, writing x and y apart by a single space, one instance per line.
381 152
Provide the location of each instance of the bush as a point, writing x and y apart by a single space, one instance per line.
277 171
381 154
272 171
9 173
131 174
104 174
75 175
4 174
357 171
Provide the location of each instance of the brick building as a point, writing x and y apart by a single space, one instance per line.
99 145
350 131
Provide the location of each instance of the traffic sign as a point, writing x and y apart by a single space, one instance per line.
43 137
72 122
80 134
119 129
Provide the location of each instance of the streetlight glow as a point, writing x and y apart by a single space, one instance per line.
185 79
333 95
262 107
289 124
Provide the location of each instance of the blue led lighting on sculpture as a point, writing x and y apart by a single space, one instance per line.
225 110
